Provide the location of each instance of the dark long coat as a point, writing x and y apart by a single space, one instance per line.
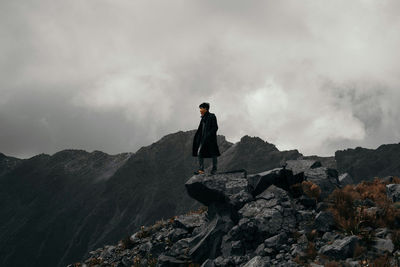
209 146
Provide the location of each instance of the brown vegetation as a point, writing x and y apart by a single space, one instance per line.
311 190
351 216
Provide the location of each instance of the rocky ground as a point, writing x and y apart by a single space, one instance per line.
302 214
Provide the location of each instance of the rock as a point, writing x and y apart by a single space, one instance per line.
257 261
345 179
388 179
340 248
330 236
280 177
276 241
381 232
382 245
324 221
272 216
260 250
231 247
226 191
393 192
208 263
167 261
207 244
305 219
189 222
298 167
177 234
325 178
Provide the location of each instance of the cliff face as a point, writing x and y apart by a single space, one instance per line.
292 216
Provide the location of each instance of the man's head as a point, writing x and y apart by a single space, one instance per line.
204 107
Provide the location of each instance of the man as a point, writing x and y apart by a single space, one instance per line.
205 140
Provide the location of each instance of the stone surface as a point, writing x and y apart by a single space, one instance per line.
393 192
340 248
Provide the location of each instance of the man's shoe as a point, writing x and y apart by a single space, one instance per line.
213 171
199 172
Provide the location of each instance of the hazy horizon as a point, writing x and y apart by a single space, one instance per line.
118 75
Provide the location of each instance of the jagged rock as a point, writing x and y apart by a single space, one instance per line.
352 263
340 248
324 221
189 222
260 250
280 177
330 236
345 179
257 261
168 261
388 179
276 241
177 234
272 216
305 219
382 245
226 189
298 167
325 178
208 263
231 247
393 192
381 232
206 245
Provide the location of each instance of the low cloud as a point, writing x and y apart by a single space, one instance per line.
118 75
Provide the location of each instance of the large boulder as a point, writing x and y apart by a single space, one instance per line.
280 177
326 178
229 188
345 179
298 167
271 213
393 192
207 244
340 248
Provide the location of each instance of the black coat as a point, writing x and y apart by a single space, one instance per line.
209 146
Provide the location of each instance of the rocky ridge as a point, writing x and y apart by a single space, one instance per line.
280 217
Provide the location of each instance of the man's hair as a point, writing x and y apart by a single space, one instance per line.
205 105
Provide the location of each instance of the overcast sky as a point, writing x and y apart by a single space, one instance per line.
317 76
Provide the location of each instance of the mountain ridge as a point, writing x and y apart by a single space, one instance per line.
82 200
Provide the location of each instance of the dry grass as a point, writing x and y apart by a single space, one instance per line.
352 217
200 210
311 190
382 261
332 264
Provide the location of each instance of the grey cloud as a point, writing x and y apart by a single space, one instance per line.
118 75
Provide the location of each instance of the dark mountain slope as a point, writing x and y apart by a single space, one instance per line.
43 201
7 163
365 164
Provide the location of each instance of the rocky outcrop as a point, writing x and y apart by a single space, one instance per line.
250 220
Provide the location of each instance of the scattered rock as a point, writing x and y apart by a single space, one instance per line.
393 192
340 248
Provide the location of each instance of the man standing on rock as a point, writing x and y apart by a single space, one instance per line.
205 140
